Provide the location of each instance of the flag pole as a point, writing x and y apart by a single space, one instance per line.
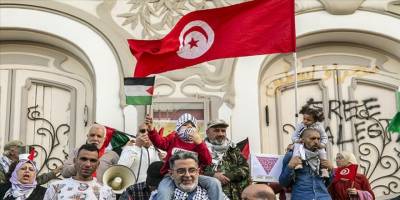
296 115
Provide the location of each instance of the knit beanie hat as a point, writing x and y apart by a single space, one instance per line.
186 117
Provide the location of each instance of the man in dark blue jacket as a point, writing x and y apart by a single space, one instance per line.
307 182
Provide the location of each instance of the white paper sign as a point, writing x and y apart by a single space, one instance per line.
265 167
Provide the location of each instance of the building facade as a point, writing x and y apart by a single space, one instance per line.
62 65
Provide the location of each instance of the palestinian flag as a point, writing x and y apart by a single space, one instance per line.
394 125
139 91
116 138
244 147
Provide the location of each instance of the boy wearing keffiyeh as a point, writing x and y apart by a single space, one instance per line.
185 138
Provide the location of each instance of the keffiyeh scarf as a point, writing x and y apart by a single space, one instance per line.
218 151
313 160
186 117
184 134
5 163
200 194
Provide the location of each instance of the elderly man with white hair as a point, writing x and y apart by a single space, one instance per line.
96 136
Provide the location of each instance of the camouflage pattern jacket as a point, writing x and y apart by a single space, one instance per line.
234 166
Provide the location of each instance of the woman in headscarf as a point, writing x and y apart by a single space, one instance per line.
22 185
344 189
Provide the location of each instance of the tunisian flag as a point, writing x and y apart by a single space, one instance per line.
347 172
251 28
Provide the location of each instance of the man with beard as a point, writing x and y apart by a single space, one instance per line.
83 185
228 164
306 182
184 171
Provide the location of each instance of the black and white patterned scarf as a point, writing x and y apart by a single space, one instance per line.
200 194
312 159
218 151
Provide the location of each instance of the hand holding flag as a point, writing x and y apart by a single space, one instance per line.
348 172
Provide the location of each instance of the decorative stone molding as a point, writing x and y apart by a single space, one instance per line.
156 17
164 87
341 7
344 7
199 82
307 5
392 6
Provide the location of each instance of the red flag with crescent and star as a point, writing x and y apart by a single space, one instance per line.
347 172
251 28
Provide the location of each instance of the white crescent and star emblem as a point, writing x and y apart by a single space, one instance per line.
195 39
344 171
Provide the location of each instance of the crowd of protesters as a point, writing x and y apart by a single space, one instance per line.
183 165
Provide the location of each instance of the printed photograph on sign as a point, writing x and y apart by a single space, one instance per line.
265 167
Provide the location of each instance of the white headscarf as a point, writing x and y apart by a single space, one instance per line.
349 157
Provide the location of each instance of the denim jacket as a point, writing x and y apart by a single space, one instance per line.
305 184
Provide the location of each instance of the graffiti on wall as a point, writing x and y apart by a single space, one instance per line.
327 73
377 150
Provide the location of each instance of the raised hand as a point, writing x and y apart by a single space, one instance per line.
149 122
195 136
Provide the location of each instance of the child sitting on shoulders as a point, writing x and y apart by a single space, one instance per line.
184 138
312 118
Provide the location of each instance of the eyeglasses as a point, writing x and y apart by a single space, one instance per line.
142 130
182 171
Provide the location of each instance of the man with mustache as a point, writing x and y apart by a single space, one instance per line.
306 182
228 164
184 171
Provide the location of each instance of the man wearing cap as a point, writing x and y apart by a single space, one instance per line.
10 155
142 190
228 164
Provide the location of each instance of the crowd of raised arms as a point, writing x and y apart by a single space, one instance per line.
183 166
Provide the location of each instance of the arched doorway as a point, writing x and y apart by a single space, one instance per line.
46 95
355 85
